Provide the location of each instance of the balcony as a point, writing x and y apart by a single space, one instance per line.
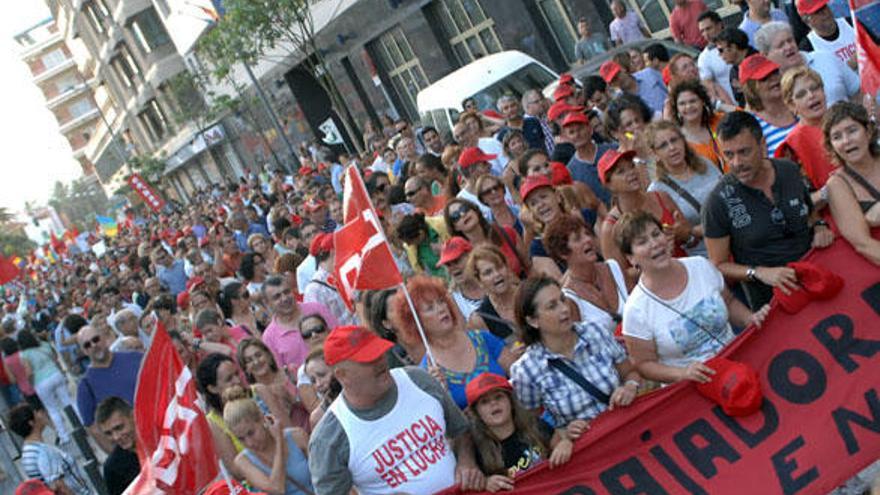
54 71
124 10
67 95
41 45
78 121
163 69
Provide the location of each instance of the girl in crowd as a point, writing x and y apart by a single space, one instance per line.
274 457
465 291
464 219
573 371
269 385
487 266
618 173
683 175
47 380
326 385
804 93
459 355
680 313
509 439
490 191
216 374
597 288
854 189
694 114
761 85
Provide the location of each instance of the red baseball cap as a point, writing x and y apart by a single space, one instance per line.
609 70
819 282
183 300
561 108
532 183
609 161
354 343
735 387
454 248
472 156
306 171
805 7
575 118
312 205
566 78
483 384
321 243
756 67
33 487
559 174
562 92
221 487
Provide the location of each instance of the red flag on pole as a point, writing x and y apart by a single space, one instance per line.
8 270
363 258
175 446
866 17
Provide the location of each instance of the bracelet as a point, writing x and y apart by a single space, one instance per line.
633 382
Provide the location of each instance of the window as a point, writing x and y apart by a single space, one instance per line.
402 66
80 108
96 17
149 32
655 13
54 58
154 120
471 33
560 26
126 66
66 83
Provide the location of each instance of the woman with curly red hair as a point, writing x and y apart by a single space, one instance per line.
459 355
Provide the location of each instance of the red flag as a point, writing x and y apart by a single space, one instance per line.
363 258
175 446
57 244
866 14
8 270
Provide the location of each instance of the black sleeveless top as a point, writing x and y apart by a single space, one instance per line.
497 325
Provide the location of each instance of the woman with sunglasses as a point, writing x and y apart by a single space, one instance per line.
269 385
680 313
464 219
490 191
314 330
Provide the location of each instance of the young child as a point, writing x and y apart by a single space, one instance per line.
508 438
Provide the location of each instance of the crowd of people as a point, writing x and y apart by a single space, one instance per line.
563 256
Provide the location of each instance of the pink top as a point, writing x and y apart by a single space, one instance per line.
15 367
287 344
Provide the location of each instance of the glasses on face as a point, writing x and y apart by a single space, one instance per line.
497 188
455 215
89 343
307 333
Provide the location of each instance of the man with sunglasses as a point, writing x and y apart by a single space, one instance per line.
109 374
760 213
418 194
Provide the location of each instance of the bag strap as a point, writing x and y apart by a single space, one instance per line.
299 486
863 182
666 305
578 378
509 241
685 195
325 284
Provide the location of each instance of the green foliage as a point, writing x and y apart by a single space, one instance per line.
15 243
147 166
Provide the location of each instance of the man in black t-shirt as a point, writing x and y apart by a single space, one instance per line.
759 213
114 417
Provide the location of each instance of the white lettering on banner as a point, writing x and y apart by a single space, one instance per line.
348 271
176 425
411 452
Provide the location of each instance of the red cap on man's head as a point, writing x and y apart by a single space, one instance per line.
561 108
533 183
806 7
575 118
562 92
735 387
483 384
609 70
472 156
609 161
354 343
756 67
321 243
453 249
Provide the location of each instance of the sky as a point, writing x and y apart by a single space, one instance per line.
33 152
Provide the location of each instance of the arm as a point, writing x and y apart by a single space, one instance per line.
476 322
543 265
624 394
644 355
308 396
275 482
609 247
719 253
739 314
850 220
467 475
225 450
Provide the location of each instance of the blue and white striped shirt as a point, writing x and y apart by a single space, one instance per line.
774 135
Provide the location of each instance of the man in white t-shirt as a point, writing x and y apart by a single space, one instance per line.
712 67
389 431
827 33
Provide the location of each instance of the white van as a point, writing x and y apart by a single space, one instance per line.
485 80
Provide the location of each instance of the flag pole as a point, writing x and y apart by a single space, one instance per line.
226 477
418 320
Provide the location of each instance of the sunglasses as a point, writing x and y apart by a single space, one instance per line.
89 343
497 188
308 333
455 216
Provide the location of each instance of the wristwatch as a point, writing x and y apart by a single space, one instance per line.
634 382
752 274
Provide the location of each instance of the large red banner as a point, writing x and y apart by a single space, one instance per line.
819 424
143 189
174 444
866 14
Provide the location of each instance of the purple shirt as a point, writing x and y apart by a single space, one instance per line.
117 380
286 343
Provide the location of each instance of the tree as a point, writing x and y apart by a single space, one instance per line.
252 30
149 167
